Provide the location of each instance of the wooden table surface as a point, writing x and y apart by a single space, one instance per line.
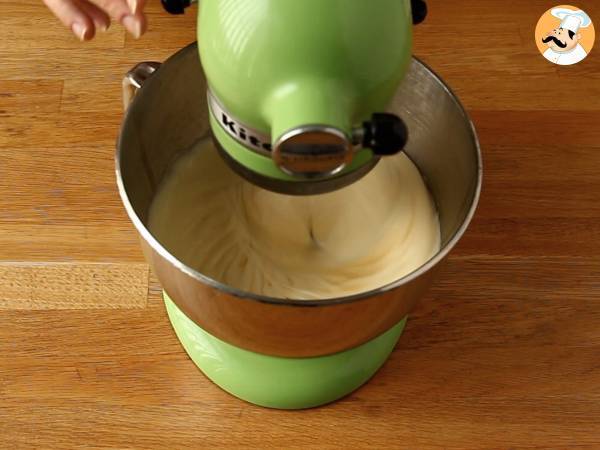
504 351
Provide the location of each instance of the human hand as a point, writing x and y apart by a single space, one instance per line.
85 17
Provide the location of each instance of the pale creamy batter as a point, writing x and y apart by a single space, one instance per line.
359 238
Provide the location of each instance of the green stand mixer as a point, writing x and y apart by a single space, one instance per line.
300 97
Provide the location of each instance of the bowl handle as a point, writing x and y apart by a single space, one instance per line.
135 78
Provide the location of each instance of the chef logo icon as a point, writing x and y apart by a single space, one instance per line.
565 35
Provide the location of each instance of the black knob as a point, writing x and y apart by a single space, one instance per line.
385 134
175 6
419 11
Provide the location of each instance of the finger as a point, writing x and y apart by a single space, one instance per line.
70 14
136 24
136 6
100 18
117 9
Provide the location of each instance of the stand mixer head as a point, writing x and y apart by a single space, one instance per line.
297 90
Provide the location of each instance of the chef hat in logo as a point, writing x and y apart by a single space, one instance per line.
572 19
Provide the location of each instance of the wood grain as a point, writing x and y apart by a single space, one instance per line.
503 353
35 286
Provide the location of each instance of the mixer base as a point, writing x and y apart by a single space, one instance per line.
279 382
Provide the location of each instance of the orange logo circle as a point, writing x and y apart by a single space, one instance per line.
565 35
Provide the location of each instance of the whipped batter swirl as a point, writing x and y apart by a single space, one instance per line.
359 238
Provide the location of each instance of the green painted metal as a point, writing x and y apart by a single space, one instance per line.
280 64
277 382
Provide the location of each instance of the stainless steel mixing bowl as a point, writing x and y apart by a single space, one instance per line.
169 114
